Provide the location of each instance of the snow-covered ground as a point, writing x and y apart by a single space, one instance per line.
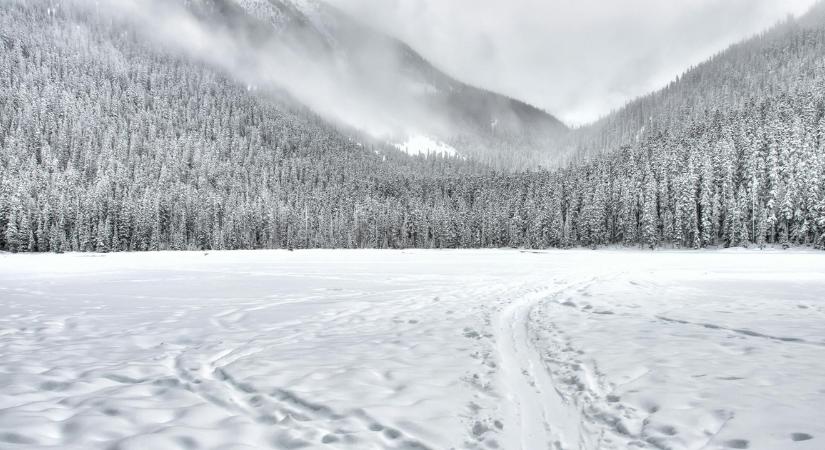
413 349
423 145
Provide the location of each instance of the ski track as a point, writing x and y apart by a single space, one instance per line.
371 350
543 417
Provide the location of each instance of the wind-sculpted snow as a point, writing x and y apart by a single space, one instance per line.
413 350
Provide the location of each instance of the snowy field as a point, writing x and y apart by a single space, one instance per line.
413 350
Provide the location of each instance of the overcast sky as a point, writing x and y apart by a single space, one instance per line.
577 59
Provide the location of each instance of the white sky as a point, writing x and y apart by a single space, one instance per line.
577 59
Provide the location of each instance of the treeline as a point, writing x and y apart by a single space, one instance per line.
109 145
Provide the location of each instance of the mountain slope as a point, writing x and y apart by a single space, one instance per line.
414 96
777 63
111 143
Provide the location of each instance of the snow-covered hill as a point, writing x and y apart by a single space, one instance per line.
422 145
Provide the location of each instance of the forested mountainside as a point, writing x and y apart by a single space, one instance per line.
783 63
108 143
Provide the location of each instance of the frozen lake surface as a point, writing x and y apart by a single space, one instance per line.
363 350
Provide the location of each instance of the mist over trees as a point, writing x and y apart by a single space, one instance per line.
108 143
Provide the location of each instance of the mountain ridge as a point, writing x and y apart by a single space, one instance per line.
481 123
729 82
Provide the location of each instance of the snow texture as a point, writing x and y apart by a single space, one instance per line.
413 350
423 145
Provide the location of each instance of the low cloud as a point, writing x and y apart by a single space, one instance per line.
578 59
319 79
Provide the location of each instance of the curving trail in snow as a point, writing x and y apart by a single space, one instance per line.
543 418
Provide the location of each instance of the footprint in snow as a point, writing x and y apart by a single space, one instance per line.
737 443
797 437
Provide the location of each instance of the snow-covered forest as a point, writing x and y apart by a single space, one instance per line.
108 143
132 127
